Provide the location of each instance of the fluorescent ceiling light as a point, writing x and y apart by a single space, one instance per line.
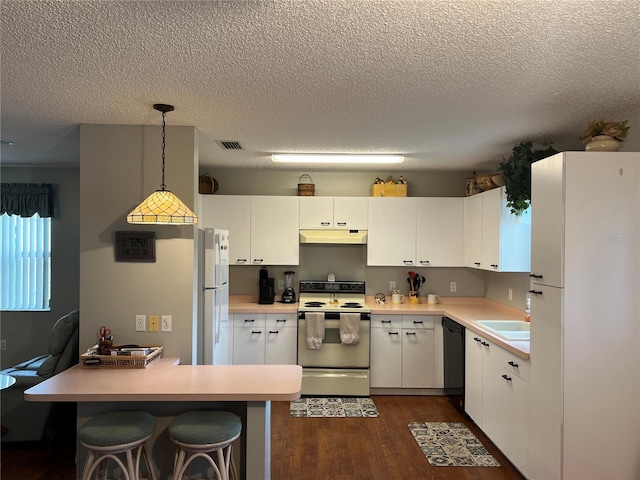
334 158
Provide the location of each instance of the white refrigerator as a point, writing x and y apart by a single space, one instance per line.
214 340
584 386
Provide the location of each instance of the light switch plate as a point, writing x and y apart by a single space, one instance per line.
166 323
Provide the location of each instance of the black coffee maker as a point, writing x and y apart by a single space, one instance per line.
267 291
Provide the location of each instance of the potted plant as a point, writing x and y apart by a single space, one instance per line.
516 172
605 135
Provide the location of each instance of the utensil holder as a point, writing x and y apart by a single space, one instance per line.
414 298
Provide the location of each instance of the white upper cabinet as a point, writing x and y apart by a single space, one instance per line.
392 231
333 212
274 230
233 213
439 240
494 238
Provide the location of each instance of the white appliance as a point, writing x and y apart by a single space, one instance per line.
334 368
584 402
214 342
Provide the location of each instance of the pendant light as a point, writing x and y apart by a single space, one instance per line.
162 207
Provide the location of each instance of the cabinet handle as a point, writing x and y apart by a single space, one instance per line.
494 265
258 332
507 378
281 320
485 344
408 262
477 339
535 275
513 364
535 292
274 331
393 333
324 224
411 333
250 320
418 321
258 260
385 321
241 260
424 262
477 264
342 224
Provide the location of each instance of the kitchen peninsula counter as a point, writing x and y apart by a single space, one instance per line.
166 389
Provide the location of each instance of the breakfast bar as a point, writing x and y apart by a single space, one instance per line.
166 389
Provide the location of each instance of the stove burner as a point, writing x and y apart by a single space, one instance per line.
351 305
314 304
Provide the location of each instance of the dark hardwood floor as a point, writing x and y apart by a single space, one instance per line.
315 448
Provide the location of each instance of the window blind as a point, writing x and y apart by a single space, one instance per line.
26 262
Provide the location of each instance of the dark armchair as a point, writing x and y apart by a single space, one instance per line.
28 421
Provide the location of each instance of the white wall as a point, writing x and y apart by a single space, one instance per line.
27 333
119 167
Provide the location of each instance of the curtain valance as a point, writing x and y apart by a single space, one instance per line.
26 199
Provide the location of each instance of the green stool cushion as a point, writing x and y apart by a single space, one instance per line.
205 427
116 428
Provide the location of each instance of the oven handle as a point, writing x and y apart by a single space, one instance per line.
336 316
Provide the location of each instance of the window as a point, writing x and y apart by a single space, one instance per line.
25 247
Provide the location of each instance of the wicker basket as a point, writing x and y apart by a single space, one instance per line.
306 189
208 184
121 361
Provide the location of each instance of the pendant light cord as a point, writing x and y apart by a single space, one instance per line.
163 186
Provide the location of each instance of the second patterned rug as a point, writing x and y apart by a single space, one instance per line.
451 444
333 407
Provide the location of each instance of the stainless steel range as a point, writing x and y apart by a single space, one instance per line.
333 338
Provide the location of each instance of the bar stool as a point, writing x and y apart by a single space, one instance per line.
200 434
108 434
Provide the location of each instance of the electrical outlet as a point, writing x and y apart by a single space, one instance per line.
3 344
166 323
154 323
453 287
392 286
141 323
511 294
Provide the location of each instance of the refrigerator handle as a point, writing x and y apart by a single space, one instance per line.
217 287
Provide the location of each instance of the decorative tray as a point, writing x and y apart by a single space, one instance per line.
143 357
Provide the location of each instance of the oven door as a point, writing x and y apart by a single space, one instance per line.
332 354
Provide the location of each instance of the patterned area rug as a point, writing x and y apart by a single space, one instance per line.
451 444
333 407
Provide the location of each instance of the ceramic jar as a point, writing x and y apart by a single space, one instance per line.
603 143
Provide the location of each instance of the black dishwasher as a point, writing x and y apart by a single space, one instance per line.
453 335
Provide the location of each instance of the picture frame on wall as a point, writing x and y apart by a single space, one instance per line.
135 247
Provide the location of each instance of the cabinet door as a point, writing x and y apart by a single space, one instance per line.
392 231
473 231
316 212
440 232
547 221
386 355
274 230
417 358
491 203
473 375
350 212
233 213
281 346
248 345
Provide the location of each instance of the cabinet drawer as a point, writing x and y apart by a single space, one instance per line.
248 320
386 321
282 320
516 365
419 321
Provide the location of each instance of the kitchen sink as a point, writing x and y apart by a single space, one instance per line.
507 329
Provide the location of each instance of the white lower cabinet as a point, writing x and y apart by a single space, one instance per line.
402 351
496 396
260 339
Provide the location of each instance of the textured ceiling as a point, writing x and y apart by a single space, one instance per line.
449 84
